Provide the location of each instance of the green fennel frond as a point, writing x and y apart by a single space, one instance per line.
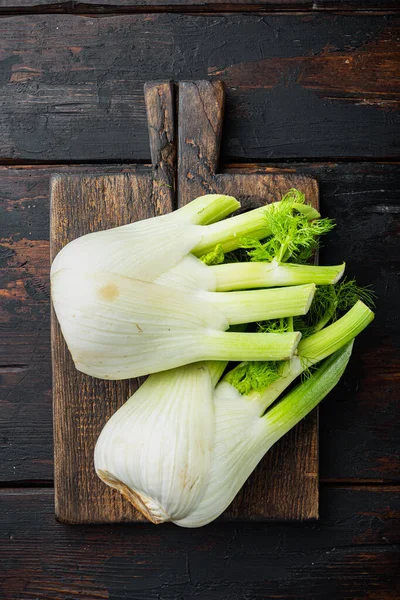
293 237
348 293
215 257
273 326
330 303
308 369
322 310
254 376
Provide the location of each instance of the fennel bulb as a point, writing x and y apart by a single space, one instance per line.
244 434
247 425
117 328
157 448
139 449
137 299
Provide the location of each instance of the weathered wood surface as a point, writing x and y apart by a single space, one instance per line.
352 552
359 434
75 93
285 485
343 6
320 86
201 107
160 108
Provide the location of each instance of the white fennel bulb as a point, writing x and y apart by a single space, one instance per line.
248 424
144 445
136 300
157 448
244 434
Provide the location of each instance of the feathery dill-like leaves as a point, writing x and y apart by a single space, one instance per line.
254 376
293 237
330 303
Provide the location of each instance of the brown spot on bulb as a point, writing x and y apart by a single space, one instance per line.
109 292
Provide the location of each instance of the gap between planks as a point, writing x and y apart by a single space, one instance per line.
233 163
210 9
350 484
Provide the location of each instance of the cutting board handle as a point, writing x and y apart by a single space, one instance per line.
201 109
184 146
161 122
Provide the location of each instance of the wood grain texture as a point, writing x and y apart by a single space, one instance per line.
379 6
321 86
160 108
352 552
359 435
285 485
199 141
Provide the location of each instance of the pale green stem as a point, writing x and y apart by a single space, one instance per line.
226 345
260 305
239 276
282 417
230 232
217 367
307 210
207 209
315 348
331 338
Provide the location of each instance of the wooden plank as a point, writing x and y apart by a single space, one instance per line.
380 6
285 484
359 433
71 87
352 552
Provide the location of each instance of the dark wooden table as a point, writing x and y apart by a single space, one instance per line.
312 87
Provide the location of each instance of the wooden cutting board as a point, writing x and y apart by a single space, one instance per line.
185 143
